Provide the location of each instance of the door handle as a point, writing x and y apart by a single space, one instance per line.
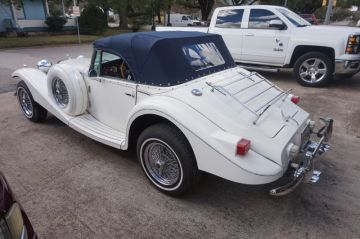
130 94
249 34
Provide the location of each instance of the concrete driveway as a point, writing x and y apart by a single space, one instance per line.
74 187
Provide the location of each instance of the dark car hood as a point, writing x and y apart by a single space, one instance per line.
6 198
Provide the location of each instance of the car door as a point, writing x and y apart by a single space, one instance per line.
111 94
263 44
228 25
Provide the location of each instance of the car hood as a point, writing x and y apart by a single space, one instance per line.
6 198
249 107
326 31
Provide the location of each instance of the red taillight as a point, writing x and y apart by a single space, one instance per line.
243 147
295 99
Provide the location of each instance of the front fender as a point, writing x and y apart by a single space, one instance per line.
214 148
36 81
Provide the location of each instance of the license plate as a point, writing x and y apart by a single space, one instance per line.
305 136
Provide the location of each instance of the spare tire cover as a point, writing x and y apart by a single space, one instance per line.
77 101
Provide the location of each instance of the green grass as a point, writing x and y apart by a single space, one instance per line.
48 39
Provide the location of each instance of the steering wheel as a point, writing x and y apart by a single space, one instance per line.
123 70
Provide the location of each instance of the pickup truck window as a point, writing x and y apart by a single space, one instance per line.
260 18
229 18
294 18
203 56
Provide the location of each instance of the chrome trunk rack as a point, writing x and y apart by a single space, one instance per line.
263 108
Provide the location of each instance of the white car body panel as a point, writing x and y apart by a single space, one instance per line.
214 147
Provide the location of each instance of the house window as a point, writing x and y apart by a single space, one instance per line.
19 12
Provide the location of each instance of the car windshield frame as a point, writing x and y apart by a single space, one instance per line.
293 18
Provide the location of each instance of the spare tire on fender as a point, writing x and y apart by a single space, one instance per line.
67 89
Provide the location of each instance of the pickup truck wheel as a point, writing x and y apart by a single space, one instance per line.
32 110
167 160
313 69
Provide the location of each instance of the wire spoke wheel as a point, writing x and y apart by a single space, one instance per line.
313 70
60 92
25 102
161 162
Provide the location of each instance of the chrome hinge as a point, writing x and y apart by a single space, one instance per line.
89 89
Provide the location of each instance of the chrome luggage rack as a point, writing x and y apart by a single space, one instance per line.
221 89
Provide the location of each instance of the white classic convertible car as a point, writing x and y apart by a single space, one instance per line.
182 102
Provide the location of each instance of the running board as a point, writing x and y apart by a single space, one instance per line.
259 68
91 127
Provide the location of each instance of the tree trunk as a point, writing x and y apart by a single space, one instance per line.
123 18
159 17
206 7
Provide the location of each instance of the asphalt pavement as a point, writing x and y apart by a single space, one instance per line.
74 187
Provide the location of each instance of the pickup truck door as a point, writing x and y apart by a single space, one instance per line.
262 44
228 24
111 96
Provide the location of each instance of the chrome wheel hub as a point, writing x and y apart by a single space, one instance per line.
161 162
60 92
313 70
25 102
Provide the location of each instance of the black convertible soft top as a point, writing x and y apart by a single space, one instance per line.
158 58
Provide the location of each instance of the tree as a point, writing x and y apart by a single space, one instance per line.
243 2
205 6
298 6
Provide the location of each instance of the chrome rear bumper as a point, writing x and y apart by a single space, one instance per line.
304 172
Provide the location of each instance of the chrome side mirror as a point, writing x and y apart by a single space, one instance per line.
44 65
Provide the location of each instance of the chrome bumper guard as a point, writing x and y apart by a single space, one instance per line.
304 172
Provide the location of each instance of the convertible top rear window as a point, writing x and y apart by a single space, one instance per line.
203 56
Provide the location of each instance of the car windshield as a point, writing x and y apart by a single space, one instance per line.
294 18
203 56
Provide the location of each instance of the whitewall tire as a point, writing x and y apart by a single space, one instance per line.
67 89
167 159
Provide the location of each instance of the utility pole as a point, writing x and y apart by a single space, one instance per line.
63 7
285 3
328 12
153 27
77 14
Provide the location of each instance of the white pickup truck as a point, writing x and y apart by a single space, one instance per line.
273 37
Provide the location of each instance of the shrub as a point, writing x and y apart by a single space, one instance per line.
340 14
55 23
92 20
320 13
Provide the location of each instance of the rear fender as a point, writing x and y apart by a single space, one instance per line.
214 149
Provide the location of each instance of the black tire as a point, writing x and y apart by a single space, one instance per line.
171 141
326 65
38 113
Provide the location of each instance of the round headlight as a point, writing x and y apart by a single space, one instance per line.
44 65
